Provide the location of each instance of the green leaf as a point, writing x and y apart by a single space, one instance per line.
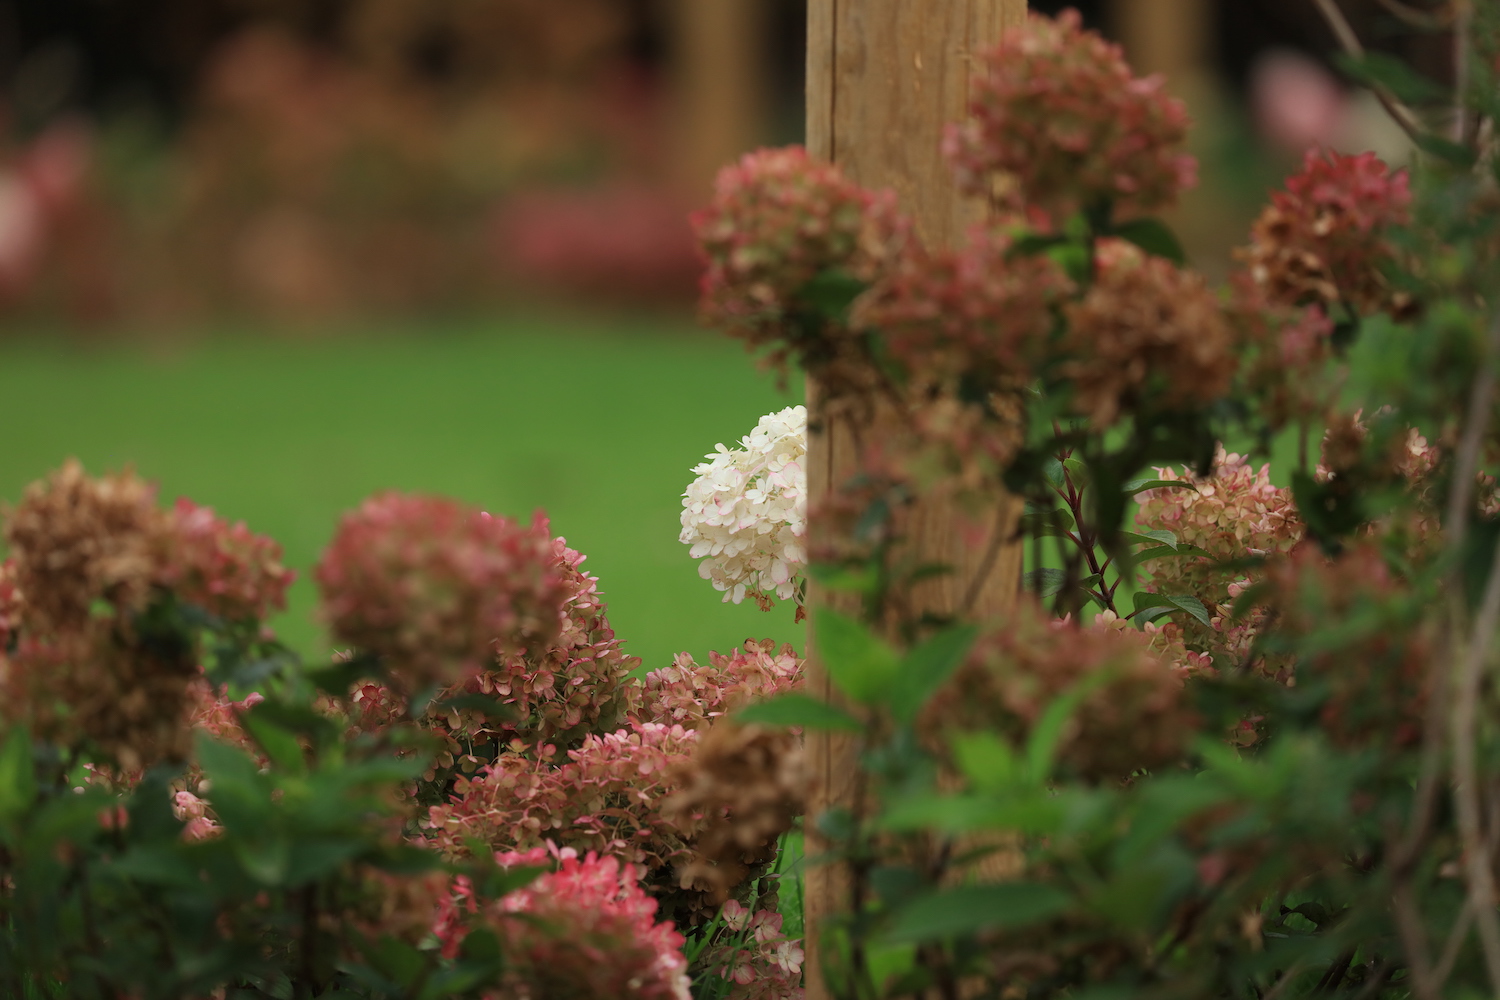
1041 747
492 708
1157 537
1052 469
18 787
986 760
280 745
1051 581
1147 601
843 579
267 860
1192 606
1078 472
926 667
797 709
859 664
337 678
969 909
310 859
1459 155
1141 485
1152 236
1377 69
1033 244
831 293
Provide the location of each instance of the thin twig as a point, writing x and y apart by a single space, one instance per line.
1399 112
1423 20
1480 874
991 555
1463 25
1455 944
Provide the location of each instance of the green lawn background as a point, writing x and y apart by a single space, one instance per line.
596 421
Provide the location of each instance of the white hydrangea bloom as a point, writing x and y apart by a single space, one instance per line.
746 513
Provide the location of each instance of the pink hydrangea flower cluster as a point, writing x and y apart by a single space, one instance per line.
608 797
1322 238
587 929
1234 512
692 695
436 587
224 568
193 811
1059 123
779 219
762 963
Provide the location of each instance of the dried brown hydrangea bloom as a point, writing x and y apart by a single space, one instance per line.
748 784
131 701
1147 333
77 540
1133 714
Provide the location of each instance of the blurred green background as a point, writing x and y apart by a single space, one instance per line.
596 421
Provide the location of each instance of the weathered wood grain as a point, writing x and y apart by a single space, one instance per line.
883 79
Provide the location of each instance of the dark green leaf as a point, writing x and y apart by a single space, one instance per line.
18 786
797 709
280 744
926 667
969 909
859 664
1377 69
337 678
492 708
1141 485
831 293
1152 236
1050 580
1448 151
1192 606
841 579
1052 469
1151 537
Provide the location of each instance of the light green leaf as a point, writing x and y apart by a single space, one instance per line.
969 909
858 662
926 667
798 710
1141 485
18 787
1149 537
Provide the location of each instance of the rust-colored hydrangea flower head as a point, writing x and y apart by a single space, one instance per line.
1058 123
224 568
436 588
1373 678
563 689
1132 715
779 219
1147 333
973 311
1287 347
76 540
1323 238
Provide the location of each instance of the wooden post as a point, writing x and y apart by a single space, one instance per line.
883 78
1170 37
719 86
